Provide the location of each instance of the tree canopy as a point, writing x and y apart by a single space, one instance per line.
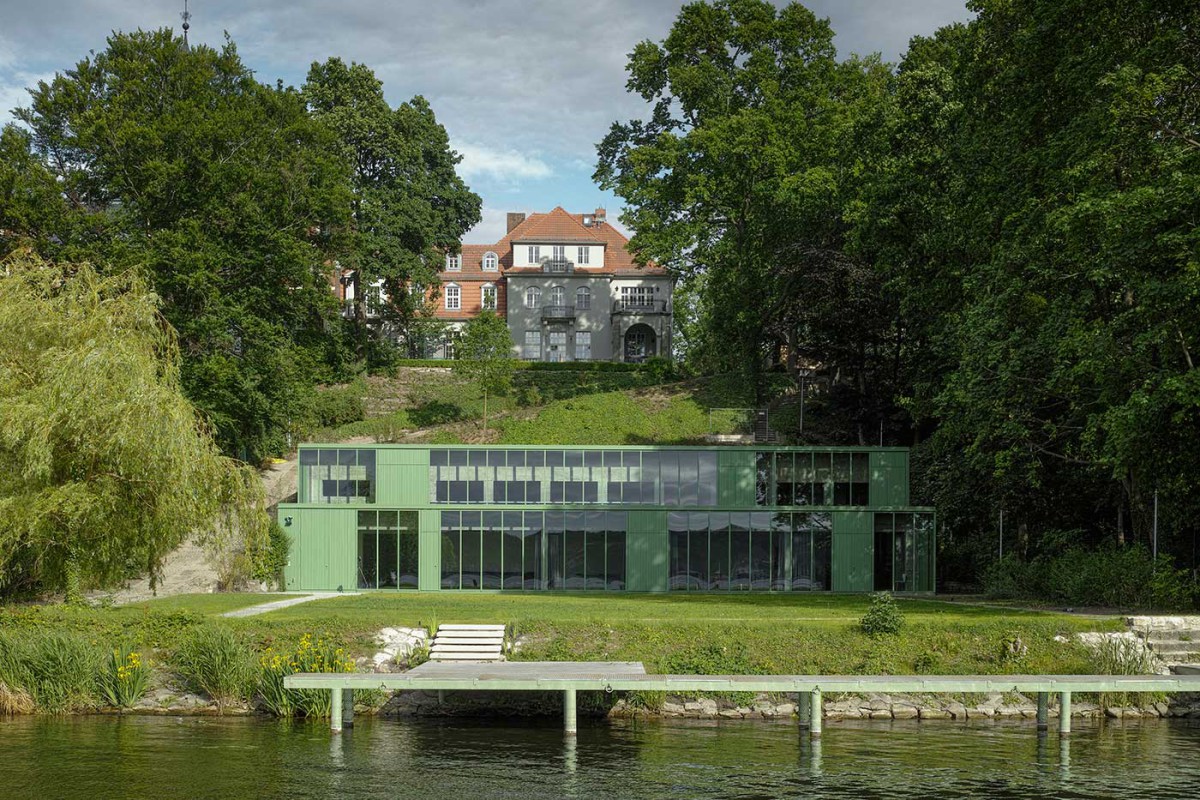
484 354
105 467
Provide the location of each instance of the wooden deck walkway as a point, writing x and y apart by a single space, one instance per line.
570 677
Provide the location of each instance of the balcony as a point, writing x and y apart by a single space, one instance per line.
558 312
639 306
558 266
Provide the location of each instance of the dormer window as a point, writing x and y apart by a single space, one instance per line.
560 252
535 254
582 258
454 262
490 262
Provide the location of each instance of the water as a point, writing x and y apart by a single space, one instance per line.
156 757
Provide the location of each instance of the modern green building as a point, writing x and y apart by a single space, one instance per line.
640 519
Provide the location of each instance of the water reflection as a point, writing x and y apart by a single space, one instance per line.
105 757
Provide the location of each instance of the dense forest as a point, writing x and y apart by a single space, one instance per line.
989 252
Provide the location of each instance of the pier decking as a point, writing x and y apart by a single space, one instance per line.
570 677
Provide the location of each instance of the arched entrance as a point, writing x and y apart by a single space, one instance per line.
640 343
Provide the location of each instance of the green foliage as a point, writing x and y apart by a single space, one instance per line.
306 656
105 467
270 561
883 617
53 672
338 405
215 660
485 356
124 678
408 205
1109 577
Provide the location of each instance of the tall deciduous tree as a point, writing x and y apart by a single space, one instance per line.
484 354
227 192
105 467
409 206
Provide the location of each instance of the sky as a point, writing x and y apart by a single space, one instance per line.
525 88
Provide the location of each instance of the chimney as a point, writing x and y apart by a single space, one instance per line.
515 218
599 216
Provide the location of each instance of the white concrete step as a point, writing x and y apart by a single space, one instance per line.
461 627
498 641
461 657
441 647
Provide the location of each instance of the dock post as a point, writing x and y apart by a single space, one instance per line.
803 709
816 711
1064 713
347 708
335 710
569 726
1043 700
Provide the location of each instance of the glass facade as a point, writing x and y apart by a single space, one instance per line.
749 551
387 550
337 476
685 478
791 478
904 552
533 550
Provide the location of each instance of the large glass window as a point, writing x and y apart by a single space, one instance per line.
337 476
748 551
387 550
904 552
680 478
533 550
802 478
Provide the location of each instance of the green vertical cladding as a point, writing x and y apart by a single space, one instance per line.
324 551
647 552
889 478
429 575
735 478
402 478
853 551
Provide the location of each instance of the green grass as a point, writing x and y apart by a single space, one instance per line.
208 604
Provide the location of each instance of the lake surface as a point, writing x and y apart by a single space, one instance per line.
195 757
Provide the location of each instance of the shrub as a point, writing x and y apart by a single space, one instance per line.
215 661
883 617
307 656
124 679
54 672
659 369
270 561
338 405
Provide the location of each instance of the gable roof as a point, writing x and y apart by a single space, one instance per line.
557 226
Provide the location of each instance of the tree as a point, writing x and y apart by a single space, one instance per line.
104 465
408 208
484 354
742 173
228 194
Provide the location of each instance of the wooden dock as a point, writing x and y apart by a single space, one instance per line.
570 677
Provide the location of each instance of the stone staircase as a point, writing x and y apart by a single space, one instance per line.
1175 640
468 643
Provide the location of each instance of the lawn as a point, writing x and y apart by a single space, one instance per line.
209 604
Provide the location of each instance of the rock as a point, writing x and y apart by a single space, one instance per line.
879 703
693 705
673 709
1114 713
935 713
904 712
730 713
708 707
785 709
957 710
881 714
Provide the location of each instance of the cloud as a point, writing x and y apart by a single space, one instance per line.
505 165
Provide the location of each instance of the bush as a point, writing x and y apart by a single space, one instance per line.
124 679
269 563
338 405
307 656
883 617
1111 577
659 369
215 661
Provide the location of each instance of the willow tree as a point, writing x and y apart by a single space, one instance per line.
105 467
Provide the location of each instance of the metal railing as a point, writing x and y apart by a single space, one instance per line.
558 312
637 306
558 266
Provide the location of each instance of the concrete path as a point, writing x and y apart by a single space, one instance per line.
291 601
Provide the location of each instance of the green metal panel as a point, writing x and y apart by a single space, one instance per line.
324 551
647 552
402 485
403 456
429 577
735 478
889 478
853 551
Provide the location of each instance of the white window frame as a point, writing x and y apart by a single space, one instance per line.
454 263
453 290
583 298
637 296
556 346
535 253
584 254
491 262
533 297
531 348
488 297
583 345
558 296
558 252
